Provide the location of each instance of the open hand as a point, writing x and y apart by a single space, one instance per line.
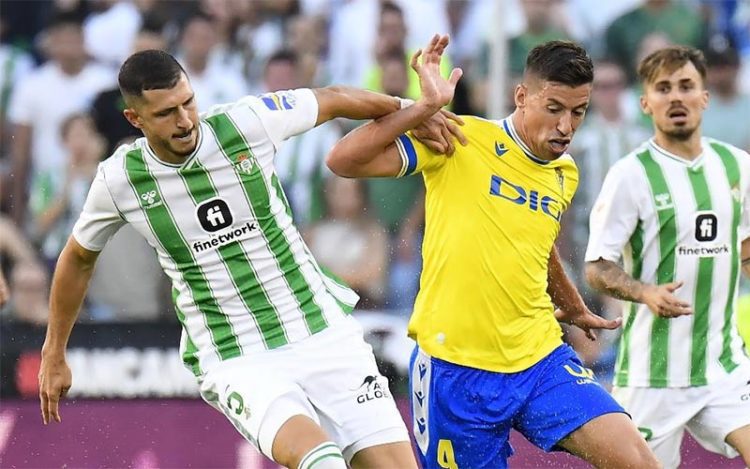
439 132
587 321
55 380
662 301
436 90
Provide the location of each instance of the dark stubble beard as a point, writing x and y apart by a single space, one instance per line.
680 134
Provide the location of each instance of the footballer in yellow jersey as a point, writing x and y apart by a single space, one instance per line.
493 212
489 357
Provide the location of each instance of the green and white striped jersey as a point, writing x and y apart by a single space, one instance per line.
677 220
243 279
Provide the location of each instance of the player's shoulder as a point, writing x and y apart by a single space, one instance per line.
718 146
284 100
116 162
631 162
479 126
566 161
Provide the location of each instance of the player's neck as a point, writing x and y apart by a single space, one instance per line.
166 155
520 129
688 149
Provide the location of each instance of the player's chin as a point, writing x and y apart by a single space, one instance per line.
182 151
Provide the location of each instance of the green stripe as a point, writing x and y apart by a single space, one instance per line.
733 175
664 207
280 194
165 230
623 357
240 269
325 456
190 355
700 322
258 193
702 300
324 446
322 271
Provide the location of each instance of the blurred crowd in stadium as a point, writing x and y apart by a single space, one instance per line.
60 114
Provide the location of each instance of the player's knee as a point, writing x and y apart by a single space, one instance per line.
324 456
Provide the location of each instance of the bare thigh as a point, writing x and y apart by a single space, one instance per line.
611 441
386 456
740 440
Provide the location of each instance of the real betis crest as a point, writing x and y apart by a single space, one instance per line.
736 194
243 163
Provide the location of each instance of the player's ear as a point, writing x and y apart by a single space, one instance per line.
704 99
132 116
520 95
644 105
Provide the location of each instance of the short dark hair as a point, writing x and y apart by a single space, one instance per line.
63 19
283 55
560 61
148 70
670 59
391 7
722 55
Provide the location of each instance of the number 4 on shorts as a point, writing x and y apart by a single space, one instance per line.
445 457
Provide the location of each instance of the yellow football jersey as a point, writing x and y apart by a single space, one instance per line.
492 215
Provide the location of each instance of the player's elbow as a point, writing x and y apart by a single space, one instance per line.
592 271
341 162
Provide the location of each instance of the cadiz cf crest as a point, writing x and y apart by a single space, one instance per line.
560 179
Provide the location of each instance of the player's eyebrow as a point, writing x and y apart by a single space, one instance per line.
170 109
558 103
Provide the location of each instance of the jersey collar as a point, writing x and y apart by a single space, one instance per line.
690 164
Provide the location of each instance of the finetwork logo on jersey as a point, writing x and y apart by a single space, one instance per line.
706 227
214 215
706 230
150 199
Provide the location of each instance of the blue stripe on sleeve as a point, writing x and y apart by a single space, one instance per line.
411 154
270 103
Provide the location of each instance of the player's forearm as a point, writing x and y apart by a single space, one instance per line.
353 103
364 144
69 286
560 288
609 278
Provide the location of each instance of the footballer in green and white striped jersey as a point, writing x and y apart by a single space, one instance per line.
243 279
677 220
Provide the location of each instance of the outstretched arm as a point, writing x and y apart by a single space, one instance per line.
352 103
609 278
571 307
70 282
370 150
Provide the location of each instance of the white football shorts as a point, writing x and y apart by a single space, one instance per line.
708 412
330 377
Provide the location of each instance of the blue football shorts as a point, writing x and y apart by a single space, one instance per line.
462 416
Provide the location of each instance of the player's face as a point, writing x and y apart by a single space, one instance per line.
551 113
168 119
676 101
